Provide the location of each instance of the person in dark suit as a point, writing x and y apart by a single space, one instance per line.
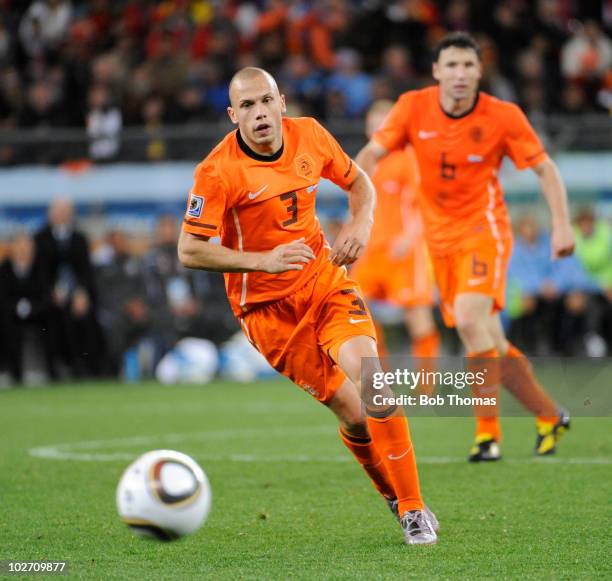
122 309
65 253
183 302
25 301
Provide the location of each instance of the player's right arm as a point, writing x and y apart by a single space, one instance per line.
370 155
197 252
391 136
208 203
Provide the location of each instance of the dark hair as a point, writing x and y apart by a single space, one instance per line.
458 39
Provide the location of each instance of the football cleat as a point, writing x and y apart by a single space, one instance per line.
435 525
485 449
418 529
548 434
393 505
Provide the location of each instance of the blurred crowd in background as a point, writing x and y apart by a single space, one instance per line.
110 64
82 306
116 307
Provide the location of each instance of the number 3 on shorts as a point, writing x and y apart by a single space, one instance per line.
479 268
358 302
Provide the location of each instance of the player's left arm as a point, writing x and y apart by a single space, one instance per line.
354 235
526 150
553 189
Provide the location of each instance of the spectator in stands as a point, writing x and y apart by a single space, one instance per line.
182 302
25 302
42 108
594 251
587 55
167 67
574 100
138 49
351 82
122 309
398 70
64 252
44 26
153 112
553 295
492 79
301 82
104 125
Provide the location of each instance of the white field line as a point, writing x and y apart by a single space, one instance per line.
91 450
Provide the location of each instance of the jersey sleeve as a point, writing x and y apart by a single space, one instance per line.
206 204
394 133
337 166
522 143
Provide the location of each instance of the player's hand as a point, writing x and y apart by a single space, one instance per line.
350 243
286 257
562 240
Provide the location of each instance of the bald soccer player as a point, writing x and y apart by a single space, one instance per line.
460 136
288 288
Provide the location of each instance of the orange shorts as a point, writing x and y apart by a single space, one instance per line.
406 281
477 265
300 334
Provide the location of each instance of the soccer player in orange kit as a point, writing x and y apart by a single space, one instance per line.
289 289
395 264
460 136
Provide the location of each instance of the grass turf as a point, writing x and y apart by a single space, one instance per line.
288 502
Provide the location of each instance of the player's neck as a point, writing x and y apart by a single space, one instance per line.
265 150
457 107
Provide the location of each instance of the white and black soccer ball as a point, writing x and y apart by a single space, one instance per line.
164 494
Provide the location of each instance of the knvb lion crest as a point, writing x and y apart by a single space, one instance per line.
304 166
476 133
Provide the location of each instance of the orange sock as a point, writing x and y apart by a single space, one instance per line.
426 346
486 363
518 378
424 351
391 436
366 454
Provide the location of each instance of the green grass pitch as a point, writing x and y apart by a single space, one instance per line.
288 501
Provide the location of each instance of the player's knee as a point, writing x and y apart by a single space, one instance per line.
470 327
355 426
381 412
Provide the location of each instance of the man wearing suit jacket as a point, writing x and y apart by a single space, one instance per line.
25 301
65 253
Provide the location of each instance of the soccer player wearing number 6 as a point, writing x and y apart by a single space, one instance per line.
460 136
289 289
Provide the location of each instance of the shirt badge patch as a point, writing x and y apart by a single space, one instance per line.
196 203
304 166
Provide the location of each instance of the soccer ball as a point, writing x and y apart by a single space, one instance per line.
164 494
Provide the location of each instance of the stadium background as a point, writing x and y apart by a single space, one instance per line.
111 104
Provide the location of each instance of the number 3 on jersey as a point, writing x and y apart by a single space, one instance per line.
292 209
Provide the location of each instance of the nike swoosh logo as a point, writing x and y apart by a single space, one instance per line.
472 158
252 195
392 457
475 281
427 134
353 321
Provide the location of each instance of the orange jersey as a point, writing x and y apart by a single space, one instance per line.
396 179
459 158
255 202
